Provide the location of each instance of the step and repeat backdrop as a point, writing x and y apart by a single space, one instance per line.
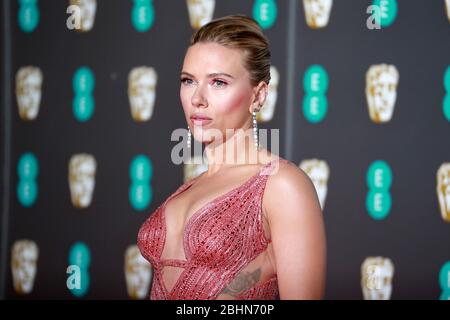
360 92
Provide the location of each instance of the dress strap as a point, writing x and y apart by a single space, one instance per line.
271 167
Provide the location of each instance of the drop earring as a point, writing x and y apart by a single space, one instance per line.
255 129
189 135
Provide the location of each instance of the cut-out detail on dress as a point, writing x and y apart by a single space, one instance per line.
220 240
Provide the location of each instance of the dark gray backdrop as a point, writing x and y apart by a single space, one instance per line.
414 143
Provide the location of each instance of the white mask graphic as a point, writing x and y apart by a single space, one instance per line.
317 12
268 108
195 168
443 190
381 91
447 5
138 273
82 169
24 258
142 92
376 278
88 9
28 91
200 12
319 173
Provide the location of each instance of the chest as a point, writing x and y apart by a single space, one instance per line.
213 212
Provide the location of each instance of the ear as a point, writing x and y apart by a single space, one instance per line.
260 96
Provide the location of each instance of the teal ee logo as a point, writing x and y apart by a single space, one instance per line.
142 15
27 187
141 173
444 281
446 102
78 269
382 14
28 15
83 103
379 181
315 84
265 13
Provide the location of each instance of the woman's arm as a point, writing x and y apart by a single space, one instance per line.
297 231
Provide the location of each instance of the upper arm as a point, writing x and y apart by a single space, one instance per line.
297 232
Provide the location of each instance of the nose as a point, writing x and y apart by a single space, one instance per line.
198 98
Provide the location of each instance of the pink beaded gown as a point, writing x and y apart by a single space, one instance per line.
221 239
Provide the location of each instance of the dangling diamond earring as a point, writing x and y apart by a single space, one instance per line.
255 129
189 138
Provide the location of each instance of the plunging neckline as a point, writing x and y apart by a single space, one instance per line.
195 216
198 212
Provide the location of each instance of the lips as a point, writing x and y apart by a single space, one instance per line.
200 117
200 120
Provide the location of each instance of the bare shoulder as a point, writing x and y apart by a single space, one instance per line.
287 177
289 184
297 231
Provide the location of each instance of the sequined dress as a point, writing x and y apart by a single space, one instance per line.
220 240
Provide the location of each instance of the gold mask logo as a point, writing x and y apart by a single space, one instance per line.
88 9
138 273
319 173
195 168
24 258
443 190
28 92
142 92
376 278
268 108
82 170
317 12
381 91
200 12
447 6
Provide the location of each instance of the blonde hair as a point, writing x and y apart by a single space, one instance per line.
240 32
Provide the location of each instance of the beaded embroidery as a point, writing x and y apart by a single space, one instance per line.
220 240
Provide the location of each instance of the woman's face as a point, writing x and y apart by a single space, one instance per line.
215 84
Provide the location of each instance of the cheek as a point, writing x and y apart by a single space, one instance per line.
234 103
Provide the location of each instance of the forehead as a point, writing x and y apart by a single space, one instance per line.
204 58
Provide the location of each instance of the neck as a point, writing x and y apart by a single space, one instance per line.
237 148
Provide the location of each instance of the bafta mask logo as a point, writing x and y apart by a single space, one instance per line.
82 169
268 109
142 92
447 6
195 168
443 190
138 273
319 172
200 12
376 278
28 92
317 12
87 13
381 91
24 258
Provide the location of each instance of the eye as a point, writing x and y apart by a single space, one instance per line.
186 81
219 83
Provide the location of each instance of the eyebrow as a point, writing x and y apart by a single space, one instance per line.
211 75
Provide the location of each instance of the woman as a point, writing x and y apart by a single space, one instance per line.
237 231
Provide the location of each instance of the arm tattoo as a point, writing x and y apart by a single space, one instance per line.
243 281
